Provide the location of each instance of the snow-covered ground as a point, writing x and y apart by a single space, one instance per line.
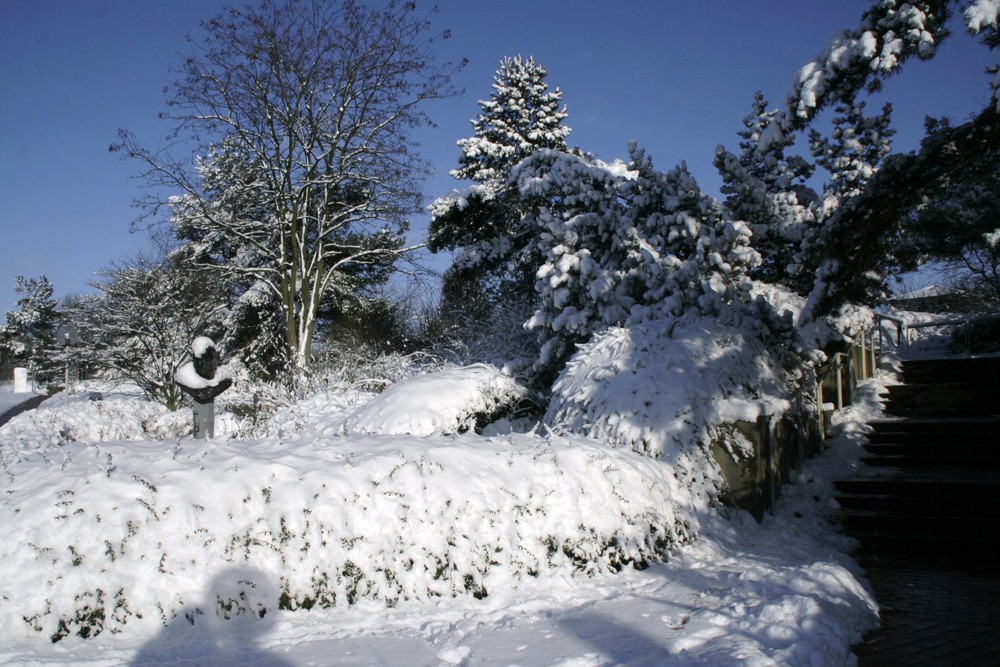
537 548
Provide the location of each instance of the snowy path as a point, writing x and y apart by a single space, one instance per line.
9 401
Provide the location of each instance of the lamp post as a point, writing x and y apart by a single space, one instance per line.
66 335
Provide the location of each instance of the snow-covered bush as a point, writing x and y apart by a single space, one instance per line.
668 389
133 534
91 416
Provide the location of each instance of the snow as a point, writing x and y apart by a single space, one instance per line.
187 376
982 14
540 548
201 345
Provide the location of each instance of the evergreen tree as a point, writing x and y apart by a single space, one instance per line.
483 223
622 245
767 189
855 151
27 336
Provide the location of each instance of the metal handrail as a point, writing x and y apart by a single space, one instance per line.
903 328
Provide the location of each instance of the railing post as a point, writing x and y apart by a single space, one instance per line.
864 355
838 367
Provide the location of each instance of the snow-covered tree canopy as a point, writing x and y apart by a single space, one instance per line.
890 33
842 246
521 116
301 114
766 189
622 242
483 222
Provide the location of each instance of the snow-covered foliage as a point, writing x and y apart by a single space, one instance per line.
620 245
855 151
98 412
766 189
27 335
116 534
141 326
981 18
668 389
521 116
891 32
210 551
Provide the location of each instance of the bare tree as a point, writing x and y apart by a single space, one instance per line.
304 172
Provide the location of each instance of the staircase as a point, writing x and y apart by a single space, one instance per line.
929 493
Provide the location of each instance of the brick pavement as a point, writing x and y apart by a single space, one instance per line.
932 617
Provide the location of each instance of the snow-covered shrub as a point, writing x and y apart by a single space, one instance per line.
619 242
45 430
667 389
138 534
442 403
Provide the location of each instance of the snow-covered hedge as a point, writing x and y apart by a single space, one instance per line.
133 533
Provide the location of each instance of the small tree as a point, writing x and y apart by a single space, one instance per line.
301 114
483 223
28 334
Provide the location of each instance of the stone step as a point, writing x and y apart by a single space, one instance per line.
910 462
920 371
938 507
927 426
985 488
950 410
974 556
969 529
969 447
943 439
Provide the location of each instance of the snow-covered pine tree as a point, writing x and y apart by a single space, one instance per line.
767 189
890 32
482 224
851 155
27 336
625 244
521 116
854 152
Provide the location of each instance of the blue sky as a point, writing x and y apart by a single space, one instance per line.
677 76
